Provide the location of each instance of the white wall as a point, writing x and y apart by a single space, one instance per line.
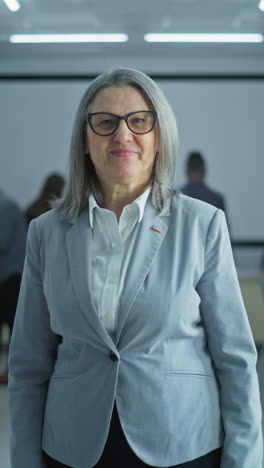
223 119
230 60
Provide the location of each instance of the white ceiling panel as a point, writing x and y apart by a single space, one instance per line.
134 18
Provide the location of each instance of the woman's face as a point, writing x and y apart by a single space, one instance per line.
124 157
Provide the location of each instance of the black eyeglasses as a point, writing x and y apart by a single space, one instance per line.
106 123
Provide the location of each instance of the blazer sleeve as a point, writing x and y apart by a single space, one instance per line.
32 354
232 349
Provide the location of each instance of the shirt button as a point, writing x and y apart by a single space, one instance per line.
113 356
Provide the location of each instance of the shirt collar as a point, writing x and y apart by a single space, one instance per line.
92 204
140 201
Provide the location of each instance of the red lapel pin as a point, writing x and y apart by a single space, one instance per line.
156 228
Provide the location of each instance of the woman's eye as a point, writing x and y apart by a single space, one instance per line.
138 120
106 122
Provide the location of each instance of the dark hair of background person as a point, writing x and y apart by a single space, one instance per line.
195 165
51 189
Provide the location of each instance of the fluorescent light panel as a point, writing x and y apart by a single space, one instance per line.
261 5
62 38
151 37
13 5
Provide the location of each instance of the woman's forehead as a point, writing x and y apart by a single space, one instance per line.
118 99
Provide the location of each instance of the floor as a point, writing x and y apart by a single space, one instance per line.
4 425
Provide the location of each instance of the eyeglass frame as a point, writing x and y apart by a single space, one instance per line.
122 117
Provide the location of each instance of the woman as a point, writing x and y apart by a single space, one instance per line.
131 345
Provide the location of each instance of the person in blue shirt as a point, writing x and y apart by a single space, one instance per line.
196 186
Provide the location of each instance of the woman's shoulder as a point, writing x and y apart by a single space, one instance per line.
50 221
193 207
194 218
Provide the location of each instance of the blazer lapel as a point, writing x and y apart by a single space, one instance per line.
151 233
79 250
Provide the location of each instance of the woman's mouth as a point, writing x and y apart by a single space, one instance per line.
123 153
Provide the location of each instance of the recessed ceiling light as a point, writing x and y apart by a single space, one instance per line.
261 5
13 5
62 38
151 37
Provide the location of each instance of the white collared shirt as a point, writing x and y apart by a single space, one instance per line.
111 252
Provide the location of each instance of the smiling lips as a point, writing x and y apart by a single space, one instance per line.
123 152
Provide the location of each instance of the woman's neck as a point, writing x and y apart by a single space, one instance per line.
116 198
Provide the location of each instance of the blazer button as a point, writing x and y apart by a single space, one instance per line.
113 356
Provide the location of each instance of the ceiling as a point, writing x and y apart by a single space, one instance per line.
135 18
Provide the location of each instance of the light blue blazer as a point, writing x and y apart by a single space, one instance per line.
184 378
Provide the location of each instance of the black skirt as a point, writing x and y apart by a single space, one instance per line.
118 454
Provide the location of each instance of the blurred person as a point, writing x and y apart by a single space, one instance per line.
52 188
12 253
261 270
131 345
196 186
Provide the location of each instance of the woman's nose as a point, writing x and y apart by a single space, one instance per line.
122 133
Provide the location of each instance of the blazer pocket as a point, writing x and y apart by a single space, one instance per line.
60 377
198 374
191 404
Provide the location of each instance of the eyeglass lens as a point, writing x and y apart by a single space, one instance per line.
138 122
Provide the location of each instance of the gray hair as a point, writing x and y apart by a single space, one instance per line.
82 180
